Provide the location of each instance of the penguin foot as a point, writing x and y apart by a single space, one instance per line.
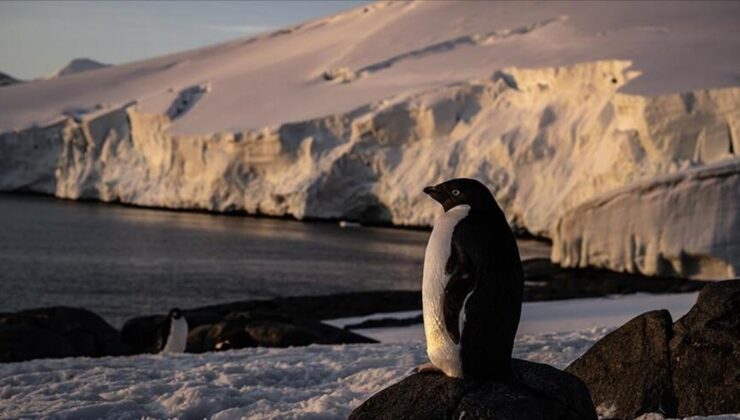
427 368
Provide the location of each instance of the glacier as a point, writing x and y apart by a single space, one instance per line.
545 140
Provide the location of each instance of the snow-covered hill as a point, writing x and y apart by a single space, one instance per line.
350 116
77 65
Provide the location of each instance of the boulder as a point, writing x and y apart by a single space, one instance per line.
628 371
57 332
259 329
705 353
141 333
690 368
537 392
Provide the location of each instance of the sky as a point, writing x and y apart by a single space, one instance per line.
39 37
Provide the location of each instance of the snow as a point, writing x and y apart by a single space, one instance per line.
301 382
350 116
311 382
400 48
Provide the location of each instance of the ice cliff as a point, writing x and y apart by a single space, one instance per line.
550 142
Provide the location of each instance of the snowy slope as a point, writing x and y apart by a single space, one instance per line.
400 48
350 116
78 65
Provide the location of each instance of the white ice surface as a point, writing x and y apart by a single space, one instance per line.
302 382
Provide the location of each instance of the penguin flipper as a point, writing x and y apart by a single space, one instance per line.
459 286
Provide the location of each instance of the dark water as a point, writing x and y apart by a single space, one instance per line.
122 262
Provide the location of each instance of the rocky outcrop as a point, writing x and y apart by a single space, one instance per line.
57 332
544 140
77 65
7 80
538 392
705 353
686 369
225 327
628 372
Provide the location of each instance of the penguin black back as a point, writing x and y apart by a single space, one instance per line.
482 299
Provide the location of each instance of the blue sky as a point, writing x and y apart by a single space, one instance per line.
37 38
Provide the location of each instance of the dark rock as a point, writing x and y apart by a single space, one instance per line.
313 307
141 334
302 333
690 368
628 371
57 332
7 80
228 334
196 338
545 280
705 353
263 329
538 392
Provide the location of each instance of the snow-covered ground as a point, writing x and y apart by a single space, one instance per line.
305 382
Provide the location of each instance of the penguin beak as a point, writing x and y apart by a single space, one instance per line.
436 193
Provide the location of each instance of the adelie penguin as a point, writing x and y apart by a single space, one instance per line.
472 286
173 336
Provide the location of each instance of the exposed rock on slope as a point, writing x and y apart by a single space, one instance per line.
545 141
78 65
687 369
539 392
7 80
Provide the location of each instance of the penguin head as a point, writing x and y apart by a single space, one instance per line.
460 191
175 313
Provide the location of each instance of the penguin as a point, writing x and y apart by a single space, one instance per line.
472 285
173 336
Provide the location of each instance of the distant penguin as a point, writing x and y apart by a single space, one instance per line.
472 286
174 334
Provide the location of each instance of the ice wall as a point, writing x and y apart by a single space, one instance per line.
544 140
683 224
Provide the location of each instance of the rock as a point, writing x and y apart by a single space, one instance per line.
227 335
705 353
628 371
196 338
238 330
141 333
690 368
539 391
246 329
57 332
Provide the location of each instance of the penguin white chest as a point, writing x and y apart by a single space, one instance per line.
443 352
177 340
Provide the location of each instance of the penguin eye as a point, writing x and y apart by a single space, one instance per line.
455 192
